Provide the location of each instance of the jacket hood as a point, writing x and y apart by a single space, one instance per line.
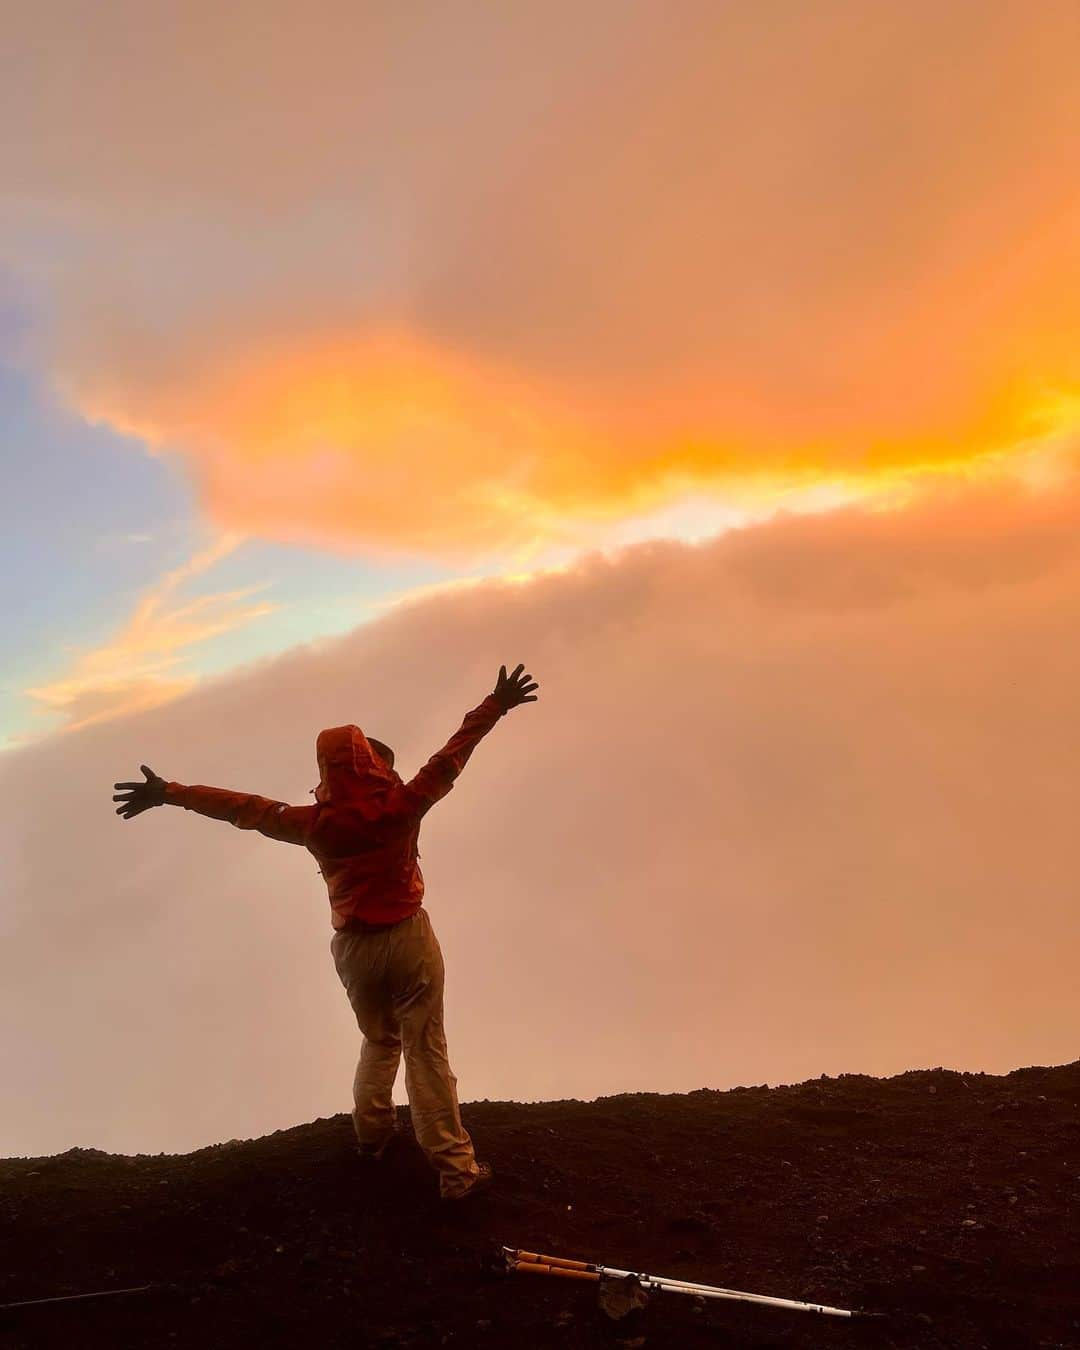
351 773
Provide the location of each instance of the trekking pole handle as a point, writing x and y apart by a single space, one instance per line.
538 1268
562 1261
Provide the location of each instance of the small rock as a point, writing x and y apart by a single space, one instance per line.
925 1318
484 1324
918 1270
968 1223
823 1218
933 1091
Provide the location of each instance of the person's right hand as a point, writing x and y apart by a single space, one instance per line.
140 797
510 690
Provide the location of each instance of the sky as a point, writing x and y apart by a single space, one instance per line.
718 361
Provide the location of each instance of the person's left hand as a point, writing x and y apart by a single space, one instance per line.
512 690
140 797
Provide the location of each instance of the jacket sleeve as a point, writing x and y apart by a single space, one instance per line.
276 820
437 776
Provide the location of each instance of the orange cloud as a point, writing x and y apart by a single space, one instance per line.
386 440
389 441
436 286
136 669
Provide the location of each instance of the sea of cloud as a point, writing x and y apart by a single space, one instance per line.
801 799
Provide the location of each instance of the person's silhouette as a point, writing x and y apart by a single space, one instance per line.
363 831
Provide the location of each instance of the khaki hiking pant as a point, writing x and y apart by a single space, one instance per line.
394 978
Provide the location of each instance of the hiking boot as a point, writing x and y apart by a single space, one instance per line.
376 1152
480 1182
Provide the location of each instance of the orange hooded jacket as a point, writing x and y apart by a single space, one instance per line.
364 825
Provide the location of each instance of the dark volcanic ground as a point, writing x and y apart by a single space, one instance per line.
951 1201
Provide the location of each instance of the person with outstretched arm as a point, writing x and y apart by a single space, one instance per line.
363 830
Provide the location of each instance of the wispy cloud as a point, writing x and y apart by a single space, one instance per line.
141 665
114 541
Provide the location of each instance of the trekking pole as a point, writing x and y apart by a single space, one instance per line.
538 1264
71 1298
